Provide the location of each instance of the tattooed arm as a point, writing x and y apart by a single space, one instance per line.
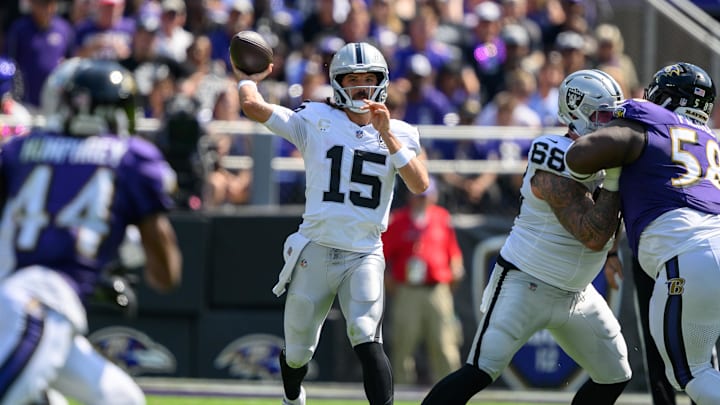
592 222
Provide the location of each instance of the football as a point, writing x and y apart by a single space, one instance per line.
249 52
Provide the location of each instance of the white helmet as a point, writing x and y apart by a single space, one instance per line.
584 92
358 57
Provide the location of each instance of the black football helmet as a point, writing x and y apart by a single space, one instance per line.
92 97
684 88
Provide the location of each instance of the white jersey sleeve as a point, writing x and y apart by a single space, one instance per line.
286 123
538 244
407 133
349 176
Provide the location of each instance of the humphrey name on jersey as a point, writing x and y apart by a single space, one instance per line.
96 150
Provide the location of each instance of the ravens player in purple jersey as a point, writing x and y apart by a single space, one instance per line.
69 192
670 197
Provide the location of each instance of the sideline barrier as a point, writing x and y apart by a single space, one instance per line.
225 323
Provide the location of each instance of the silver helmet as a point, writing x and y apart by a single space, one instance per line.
358 58
583 93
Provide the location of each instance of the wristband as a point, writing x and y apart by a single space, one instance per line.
612 254
248 82
402 157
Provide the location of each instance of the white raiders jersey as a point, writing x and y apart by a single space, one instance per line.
349 176
538 244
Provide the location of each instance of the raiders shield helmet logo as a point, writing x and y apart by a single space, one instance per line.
574 98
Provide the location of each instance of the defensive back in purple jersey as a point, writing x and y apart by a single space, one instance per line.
678 168
69 200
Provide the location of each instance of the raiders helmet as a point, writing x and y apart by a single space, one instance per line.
89 97
584 92
683 88
358 58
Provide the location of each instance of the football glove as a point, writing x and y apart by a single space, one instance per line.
115 290
612 179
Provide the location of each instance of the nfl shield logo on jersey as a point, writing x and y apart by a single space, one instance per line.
574 98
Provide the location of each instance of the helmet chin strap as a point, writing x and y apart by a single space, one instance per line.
576 130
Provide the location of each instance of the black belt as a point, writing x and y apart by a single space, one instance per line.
506 264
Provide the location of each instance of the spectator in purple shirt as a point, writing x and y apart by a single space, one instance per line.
487 52
426 105
107 35
20 120
241 16
38 42
421 36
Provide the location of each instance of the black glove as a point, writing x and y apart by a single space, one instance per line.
115 289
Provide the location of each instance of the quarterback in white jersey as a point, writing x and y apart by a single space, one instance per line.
350 177
352 152
542 278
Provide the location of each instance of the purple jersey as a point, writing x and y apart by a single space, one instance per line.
69 200
122 31
37 51
673 170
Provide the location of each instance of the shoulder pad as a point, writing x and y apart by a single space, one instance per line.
143 149
558 141
547 153
313 107
644 111
400 127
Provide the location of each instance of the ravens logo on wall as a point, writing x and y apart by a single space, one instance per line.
255 357
133 351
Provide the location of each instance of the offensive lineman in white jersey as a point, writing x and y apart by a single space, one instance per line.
352 152
558 244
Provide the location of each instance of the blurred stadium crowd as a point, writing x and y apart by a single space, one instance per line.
452 62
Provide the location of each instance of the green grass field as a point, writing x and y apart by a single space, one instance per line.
266 401
158 400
